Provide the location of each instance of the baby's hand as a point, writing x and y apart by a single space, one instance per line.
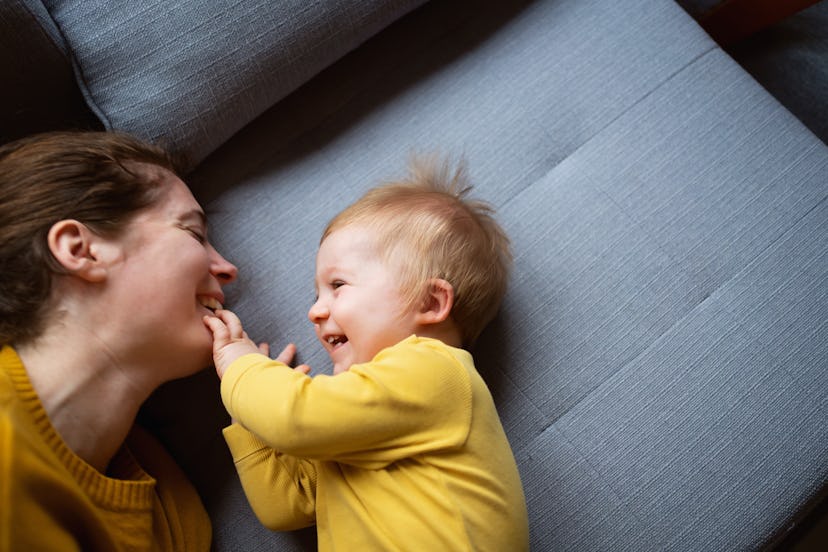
230 341
286 356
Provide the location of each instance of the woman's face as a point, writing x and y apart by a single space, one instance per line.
168 277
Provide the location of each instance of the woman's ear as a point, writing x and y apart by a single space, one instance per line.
77 249
438 302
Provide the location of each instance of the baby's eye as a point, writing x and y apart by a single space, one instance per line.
337 283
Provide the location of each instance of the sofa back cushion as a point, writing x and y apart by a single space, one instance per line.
189 74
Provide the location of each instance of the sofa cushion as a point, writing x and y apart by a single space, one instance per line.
191 74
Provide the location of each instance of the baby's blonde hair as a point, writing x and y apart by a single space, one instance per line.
427 227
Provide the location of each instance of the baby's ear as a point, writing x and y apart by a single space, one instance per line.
77 249
437 303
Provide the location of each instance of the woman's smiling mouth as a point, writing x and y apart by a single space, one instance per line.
209 302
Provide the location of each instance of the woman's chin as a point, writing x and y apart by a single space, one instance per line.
199 357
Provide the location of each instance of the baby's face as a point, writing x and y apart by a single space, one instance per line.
360 309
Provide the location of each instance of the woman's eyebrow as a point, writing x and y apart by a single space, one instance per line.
195 214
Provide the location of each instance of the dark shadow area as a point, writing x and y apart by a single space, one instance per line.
187 416
405 53
39 92
491 360
808 534
790 59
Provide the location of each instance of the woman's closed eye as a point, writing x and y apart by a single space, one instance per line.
198 234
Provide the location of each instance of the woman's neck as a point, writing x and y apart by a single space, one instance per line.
87 395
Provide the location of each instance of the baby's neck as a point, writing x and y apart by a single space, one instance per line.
445 331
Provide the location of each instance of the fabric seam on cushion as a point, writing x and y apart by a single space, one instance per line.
612 121
707 296
714 294
799 515
600 477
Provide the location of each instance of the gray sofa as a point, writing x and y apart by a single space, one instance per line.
661 360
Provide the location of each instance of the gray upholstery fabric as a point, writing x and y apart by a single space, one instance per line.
191 73
660 360
686 444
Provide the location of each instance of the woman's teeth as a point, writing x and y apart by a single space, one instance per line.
210 302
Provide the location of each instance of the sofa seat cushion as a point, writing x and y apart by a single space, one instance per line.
191 74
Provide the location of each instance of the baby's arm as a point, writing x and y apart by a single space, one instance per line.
281 489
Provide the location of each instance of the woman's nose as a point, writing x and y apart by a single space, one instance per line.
222 269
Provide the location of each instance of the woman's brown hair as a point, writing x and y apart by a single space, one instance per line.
97 178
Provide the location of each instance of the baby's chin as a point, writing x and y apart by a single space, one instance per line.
339 369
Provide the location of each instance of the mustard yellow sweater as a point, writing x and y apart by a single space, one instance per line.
50 499
405 452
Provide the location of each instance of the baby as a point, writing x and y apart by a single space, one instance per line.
401 448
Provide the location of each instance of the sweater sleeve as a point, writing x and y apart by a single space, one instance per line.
413 398
281 489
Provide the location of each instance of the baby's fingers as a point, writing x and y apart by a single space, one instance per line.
219 330
287 354
234 325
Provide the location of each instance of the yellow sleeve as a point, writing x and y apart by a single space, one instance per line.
413 398
281 489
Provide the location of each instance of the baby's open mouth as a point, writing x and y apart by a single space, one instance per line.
335 340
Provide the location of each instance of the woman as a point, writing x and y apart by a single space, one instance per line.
107 275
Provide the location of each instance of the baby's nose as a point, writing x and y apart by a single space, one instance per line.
318 312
